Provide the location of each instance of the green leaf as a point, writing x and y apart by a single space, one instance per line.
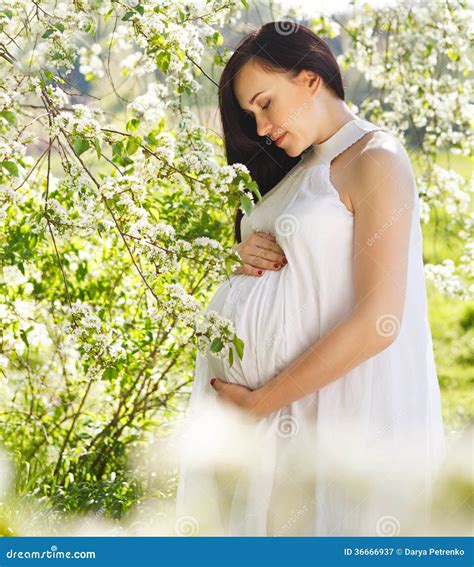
151 139
228 265
24 336
108 14
48 33
81 145
123 161
217 345
239 346
81 271
11 167
110 373
133 124
163 60
9 116
231 357
253 186
117 149
133 143
98 149
246 203
245 3
139 9
159 286
59 26
453 55
127 16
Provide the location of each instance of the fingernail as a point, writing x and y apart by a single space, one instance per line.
260 272
212 381
284 261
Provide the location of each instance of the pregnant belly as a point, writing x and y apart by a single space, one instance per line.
268 317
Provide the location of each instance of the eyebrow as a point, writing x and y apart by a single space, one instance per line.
249 112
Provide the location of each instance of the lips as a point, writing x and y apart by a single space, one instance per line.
277 141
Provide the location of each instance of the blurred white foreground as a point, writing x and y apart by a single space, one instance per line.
230 488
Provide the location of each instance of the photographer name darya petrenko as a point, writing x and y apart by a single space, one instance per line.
432 551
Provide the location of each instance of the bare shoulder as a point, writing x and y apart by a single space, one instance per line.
382 152
382 163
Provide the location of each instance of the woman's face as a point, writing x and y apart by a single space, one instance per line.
282 105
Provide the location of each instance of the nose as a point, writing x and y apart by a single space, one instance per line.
264 127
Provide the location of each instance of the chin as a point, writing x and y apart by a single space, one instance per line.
290 152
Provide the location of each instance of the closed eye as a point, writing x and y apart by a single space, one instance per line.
251 115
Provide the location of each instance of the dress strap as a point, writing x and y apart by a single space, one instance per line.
343 139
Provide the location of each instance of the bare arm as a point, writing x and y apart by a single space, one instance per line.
382 191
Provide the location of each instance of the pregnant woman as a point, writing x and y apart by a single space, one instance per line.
331 304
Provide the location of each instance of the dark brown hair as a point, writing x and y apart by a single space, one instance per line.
282 47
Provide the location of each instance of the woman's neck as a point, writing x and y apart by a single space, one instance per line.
337 113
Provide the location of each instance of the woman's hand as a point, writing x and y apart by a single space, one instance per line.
259 252
240 396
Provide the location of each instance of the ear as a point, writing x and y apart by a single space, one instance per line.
314 82
311 80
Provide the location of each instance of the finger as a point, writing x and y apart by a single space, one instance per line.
256 264
250 270
266 235
271 246
270 258
262 264
217 384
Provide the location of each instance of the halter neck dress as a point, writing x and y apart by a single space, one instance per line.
387 401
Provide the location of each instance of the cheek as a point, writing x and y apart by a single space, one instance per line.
304 119
294 122
297 114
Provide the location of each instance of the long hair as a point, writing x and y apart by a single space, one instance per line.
274 49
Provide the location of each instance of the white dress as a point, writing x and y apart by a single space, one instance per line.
317 470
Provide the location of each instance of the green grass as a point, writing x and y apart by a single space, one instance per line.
452 328
460 164
451 320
